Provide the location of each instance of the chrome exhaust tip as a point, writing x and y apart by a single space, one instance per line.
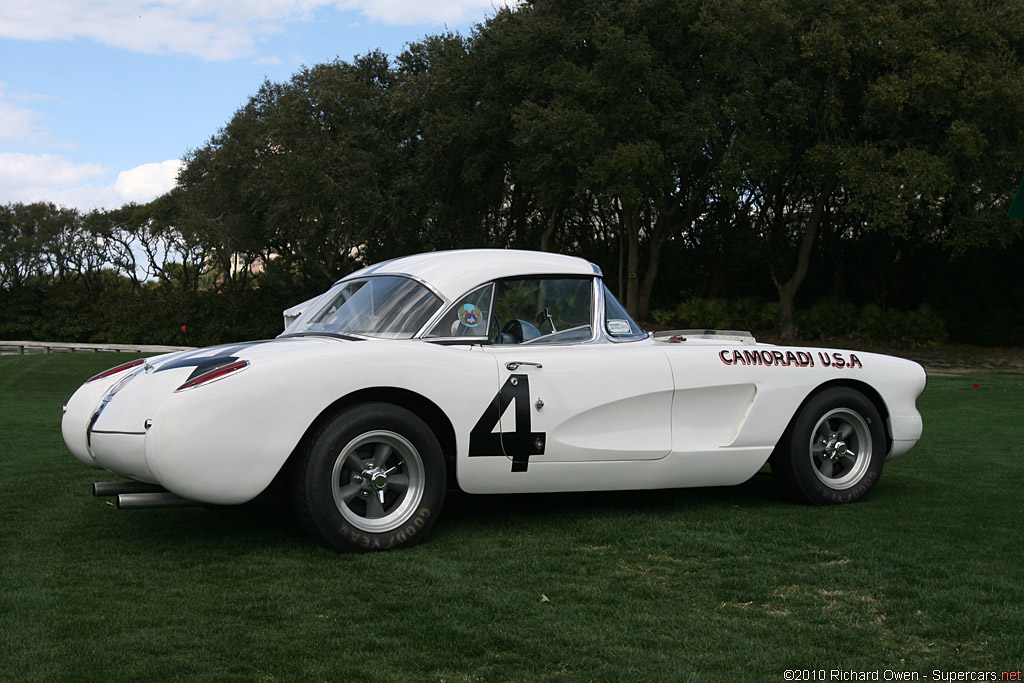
102 489
153 499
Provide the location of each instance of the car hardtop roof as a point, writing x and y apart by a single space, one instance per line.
453 273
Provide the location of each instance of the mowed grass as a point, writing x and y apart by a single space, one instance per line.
712 584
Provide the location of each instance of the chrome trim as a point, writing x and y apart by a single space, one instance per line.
597 313
107 397
123 433
246 366
448 341
514 365
490 312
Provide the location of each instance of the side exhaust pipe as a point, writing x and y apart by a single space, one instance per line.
136 495
158 499
103 489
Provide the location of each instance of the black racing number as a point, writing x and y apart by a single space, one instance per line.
518 445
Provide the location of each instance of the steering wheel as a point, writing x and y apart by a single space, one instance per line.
521 330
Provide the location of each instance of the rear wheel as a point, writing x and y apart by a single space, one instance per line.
371 478
834 450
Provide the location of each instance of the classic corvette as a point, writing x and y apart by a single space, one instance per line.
494 371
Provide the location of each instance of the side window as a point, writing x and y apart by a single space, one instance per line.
543 310
468 317
616 321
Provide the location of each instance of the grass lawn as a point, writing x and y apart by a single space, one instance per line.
719 584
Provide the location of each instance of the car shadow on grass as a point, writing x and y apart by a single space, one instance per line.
757 492
238 528
268 522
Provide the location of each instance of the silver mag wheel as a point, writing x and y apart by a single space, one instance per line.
378 481
833 450
840 448
371 477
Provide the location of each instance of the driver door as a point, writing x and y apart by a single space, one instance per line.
561 399
582 403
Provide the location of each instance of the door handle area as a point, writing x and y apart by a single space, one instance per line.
513 365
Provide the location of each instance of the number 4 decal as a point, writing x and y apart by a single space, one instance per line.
518 445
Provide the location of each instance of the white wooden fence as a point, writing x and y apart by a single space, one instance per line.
23 347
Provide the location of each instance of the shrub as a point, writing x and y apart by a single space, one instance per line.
695 313
922 327
825 320
699 313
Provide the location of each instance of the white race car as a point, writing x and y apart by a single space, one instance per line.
494 371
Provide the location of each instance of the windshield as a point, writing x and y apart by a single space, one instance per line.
386 307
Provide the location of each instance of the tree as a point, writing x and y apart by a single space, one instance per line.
608 112
904 109
302 174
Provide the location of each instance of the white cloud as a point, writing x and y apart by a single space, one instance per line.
147 182
136 25
22 174
50 178
436 12
17 123
209 29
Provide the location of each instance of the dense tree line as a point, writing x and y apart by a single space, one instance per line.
792 152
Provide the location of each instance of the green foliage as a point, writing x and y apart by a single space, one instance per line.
700 313
751 314
832 319
149 315
695 313
829 319
922 327
825 320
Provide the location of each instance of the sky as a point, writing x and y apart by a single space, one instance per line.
101 99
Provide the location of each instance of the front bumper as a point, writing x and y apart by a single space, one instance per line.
906 430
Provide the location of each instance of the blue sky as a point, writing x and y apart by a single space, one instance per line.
100 100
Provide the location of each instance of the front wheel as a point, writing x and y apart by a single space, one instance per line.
834 450
371 478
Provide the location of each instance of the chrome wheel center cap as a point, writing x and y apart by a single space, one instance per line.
835 447
374 478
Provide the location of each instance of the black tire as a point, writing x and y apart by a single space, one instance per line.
833 451
371 478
